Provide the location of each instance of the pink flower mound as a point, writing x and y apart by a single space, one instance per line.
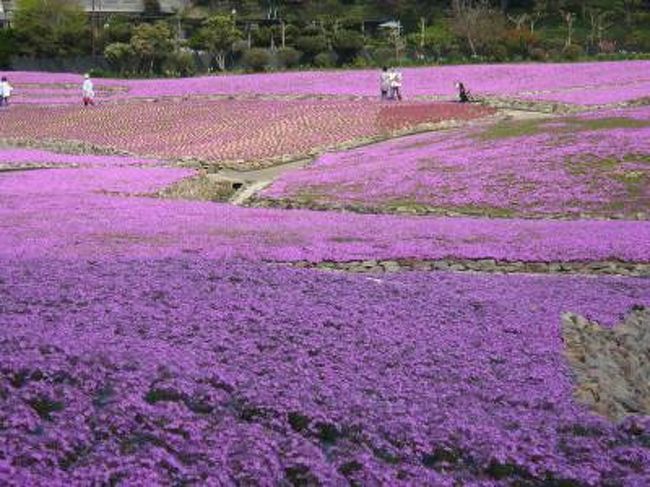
226 130
594 165
609 93
197 372
584 83
501 79
31 157
85 213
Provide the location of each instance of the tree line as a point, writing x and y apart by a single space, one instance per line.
272 34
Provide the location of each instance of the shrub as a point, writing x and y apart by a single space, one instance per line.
257 59
325 59
383 55
120 56
288 57
311 46
572 52
347 44
638 40
180 63
538 54
7 46
498 52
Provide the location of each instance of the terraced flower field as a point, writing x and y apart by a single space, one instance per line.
146 340
581 84
548 167
234 132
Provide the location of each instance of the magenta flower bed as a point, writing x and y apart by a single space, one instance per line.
68 213
235 131
565 167
597 95
483 79
32 157
192 371
584 83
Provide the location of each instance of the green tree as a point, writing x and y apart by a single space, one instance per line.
50 27
120 56
311 46
217 36
7 46
152 44
347 44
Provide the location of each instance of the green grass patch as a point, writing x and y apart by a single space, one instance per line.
521 128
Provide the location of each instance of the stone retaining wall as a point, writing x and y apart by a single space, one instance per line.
632 269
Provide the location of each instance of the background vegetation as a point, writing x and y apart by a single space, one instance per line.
252 35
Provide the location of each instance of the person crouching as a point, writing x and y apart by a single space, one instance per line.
464 95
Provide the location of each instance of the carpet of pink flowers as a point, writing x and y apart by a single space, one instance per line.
148 341
225 130
584 83
567 167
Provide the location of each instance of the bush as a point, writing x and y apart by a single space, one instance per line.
347 44
288 57
572 52
180 63
7 46
257 59
383 55
120 56
361 62
325 59
638 40
498 52
311 46
538 54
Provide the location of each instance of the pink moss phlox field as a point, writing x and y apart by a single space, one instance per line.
192 371
33 157
563 167
226 130
595 95
76 213
584 83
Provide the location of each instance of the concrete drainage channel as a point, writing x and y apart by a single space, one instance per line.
245 184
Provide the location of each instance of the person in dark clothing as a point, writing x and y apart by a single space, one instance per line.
464 95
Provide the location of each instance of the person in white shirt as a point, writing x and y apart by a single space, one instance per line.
396 84
5 91
384 83
88 91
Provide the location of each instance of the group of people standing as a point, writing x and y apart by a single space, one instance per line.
390 82
87 90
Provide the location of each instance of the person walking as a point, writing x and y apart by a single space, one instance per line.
88 91
5 91
384 82
396 84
